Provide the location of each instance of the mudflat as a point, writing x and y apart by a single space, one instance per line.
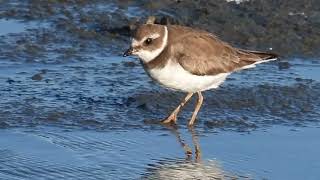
71 107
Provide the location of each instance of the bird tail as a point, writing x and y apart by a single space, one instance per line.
251 58
261 55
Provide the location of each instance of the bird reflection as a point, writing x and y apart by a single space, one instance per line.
188 168
188 151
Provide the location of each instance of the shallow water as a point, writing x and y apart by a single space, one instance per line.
73 108
276 153
11 27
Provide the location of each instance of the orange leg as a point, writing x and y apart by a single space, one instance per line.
197 108
172 118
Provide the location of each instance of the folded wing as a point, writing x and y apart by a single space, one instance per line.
202 53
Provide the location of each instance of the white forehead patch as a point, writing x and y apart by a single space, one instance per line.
147 56
134 42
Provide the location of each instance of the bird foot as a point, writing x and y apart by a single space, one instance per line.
191 123
172 119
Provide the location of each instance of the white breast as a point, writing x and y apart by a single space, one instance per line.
173 76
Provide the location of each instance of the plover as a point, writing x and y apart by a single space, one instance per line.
189 60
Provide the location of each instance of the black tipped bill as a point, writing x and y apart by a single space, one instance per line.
128 52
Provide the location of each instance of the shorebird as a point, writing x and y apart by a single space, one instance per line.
189 60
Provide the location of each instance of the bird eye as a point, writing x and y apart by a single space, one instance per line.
148 41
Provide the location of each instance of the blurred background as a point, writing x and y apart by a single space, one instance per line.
71 107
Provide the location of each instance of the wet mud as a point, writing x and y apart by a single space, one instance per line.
289 28
65 89
106 94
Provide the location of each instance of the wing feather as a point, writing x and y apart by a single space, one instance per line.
201 53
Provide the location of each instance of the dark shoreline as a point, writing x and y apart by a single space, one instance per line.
290 28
